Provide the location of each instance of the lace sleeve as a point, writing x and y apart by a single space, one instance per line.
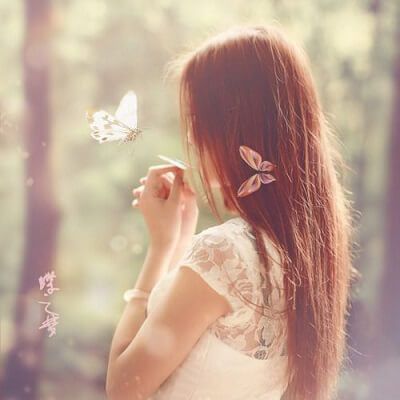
214 257
226 257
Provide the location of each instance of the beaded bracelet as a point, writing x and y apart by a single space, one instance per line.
135 293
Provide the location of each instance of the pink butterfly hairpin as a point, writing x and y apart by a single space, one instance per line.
263 168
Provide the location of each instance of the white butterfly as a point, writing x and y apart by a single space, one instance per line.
122 126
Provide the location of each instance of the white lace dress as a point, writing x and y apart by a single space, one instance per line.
242 355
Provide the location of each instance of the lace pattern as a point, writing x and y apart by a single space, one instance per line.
225 257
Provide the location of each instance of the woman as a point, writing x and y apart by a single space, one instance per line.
257 306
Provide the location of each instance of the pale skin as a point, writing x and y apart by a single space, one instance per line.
145 351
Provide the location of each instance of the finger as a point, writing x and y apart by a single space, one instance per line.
169 177
158 178
190 200
138 191
187 188
162 190
156 170
166 184
177 188
167 180
135 203
165 188
139 188
138 195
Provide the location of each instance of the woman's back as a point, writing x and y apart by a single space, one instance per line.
251 116
243 353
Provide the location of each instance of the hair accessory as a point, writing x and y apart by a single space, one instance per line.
135 293
255 161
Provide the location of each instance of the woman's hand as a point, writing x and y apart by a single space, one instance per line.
169 207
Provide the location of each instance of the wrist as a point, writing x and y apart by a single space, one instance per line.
155 265
161 247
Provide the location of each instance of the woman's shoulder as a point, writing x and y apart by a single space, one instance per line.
239 233
226 246
233 244
228 249
233 229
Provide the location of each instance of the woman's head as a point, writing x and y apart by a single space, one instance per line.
253 86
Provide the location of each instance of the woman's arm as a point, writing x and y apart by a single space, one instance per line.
162 341
134 314
178 255
170 212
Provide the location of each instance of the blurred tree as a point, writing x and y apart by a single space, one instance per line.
24 361
359 336
386 354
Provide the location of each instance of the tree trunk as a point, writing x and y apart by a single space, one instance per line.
24 361
361 319
385 378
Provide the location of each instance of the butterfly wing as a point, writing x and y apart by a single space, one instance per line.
249 186
104 127
266 178
251 157
127 110
267 166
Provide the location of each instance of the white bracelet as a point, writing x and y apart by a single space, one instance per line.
136 293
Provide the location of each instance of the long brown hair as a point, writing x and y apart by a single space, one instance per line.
252 85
